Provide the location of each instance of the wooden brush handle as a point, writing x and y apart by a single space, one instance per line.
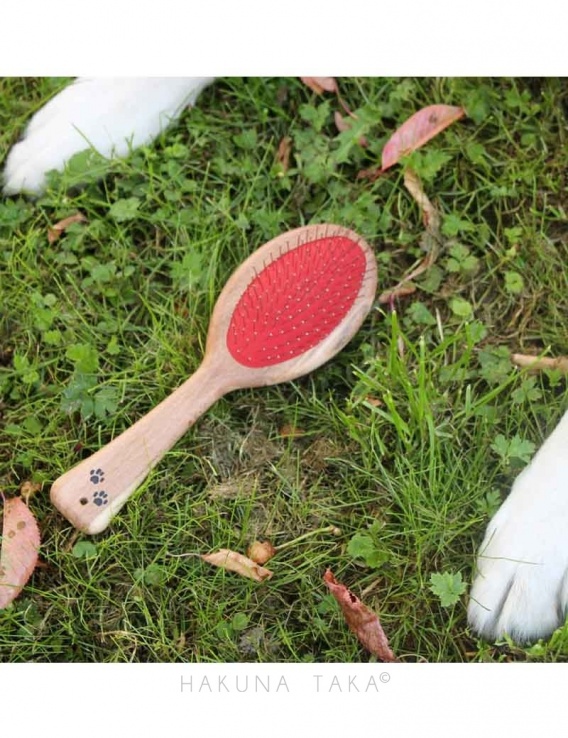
90 493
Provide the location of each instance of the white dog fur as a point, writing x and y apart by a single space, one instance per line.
521 587
112 116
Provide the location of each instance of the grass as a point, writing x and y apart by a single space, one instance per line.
406 442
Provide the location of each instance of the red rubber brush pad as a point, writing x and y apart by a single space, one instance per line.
296 301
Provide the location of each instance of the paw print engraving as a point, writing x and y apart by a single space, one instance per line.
100 498
96 476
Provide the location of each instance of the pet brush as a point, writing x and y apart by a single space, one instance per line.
291 306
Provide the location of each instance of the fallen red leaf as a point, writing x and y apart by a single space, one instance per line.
344 124
320 84
340 123
232 561
19 552
419 128
360 619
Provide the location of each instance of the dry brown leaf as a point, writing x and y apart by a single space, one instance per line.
321 84
229 490
360 619
56 230
19 552
28 489
261 551
232 561
426 262
429 213
536 364
403 289
291 431
373 401
283 153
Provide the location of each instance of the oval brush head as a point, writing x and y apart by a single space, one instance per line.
296 301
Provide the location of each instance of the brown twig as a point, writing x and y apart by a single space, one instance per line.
431 238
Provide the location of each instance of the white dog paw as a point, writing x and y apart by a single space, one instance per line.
112 116
521 588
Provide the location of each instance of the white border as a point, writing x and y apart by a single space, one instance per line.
318 700
248 37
